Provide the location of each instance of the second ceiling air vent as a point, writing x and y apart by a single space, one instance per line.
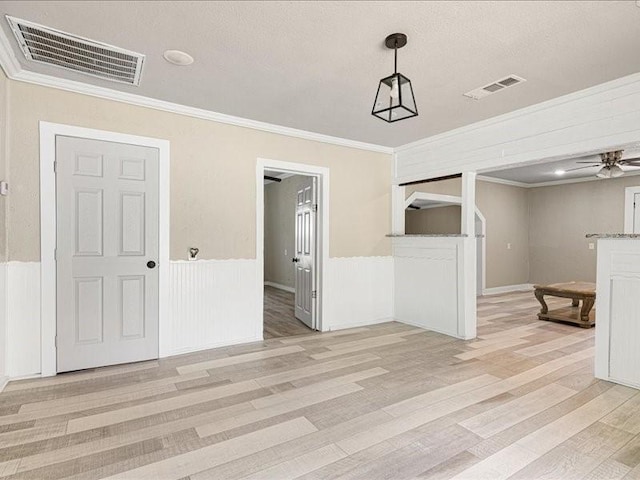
54 47
494 87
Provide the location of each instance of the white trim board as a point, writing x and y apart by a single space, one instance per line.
322 173
595 119
279 286
48 133
629 207
507 289
14 71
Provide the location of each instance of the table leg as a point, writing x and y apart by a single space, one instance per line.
540 296
574 302
587 305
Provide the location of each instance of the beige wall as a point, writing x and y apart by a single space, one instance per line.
213 189
546 227
562 215
279 230
434 220
506 211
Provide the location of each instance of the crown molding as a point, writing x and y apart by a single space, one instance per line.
552 183
14 71
502 181
8 60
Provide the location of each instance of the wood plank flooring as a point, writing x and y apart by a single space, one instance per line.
279 315
383 402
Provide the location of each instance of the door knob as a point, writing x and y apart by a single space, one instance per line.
295 260
151 264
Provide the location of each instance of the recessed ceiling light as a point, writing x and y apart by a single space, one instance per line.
559 172
178 58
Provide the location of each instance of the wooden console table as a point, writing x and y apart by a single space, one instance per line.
576 291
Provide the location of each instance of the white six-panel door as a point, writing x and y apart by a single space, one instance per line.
304 260
106 253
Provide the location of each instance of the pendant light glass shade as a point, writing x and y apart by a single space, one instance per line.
613 171
394 99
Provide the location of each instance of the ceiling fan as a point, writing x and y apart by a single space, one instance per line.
610 163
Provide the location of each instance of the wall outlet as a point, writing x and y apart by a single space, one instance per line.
508 246
592 246
285 252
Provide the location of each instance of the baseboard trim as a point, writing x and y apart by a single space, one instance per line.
182 351
279 286
426 329
3 382
507 288
344 326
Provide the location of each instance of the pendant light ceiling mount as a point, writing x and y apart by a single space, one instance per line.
395 100
395 40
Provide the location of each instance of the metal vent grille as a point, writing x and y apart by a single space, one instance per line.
494 87
53 47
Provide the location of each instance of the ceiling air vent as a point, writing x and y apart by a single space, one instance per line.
494 87
53 47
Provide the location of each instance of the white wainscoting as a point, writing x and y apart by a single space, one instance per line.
23 319
618 311
213 303
429 285
595 119
359 292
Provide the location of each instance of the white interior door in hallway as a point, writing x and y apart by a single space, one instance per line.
305 252
106 253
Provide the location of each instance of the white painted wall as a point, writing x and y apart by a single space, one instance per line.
359 291
595 119
617 310
428 288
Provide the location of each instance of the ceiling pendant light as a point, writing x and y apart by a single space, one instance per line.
616 171
605 172
394 100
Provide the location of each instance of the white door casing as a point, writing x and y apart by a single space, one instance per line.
107 253
305 252
632 210
322 174
636 213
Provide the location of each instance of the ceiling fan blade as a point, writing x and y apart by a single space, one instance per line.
588 162
581 168
630 161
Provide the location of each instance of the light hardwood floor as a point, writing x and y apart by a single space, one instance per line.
279 315
385 402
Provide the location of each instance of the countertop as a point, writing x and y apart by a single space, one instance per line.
628 236
455 235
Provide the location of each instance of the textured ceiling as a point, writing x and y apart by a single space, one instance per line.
315 65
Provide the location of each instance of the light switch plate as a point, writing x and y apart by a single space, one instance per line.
592 246
4 188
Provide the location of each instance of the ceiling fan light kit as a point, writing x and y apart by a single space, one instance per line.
395 100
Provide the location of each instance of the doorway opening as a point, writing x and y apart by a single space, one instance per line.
291 247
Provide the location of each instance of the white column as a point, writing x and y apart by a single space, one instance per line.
467 297
397 209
